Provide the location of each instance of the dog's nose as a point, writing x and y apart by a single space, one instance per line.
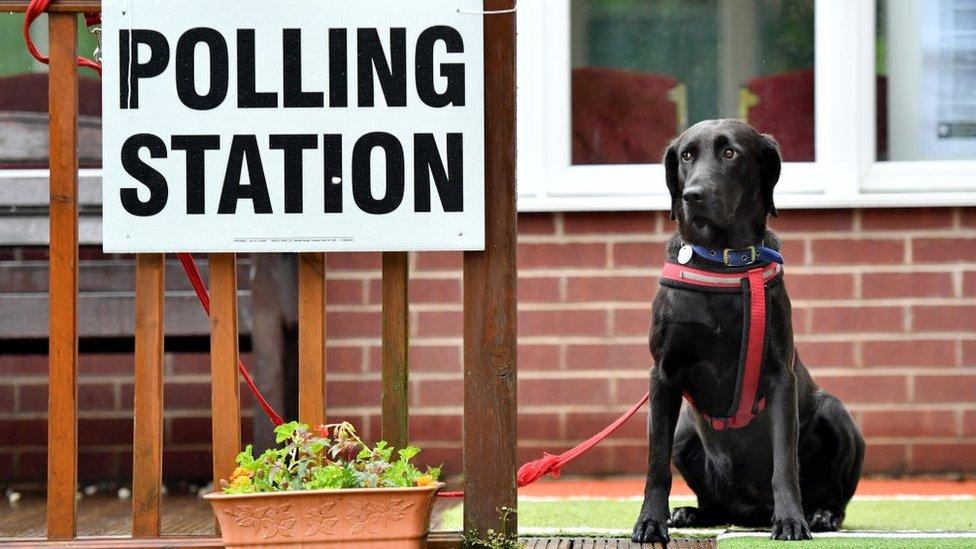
693 195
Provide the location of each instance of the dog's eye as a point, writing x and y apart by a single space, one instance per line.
686 156
729 153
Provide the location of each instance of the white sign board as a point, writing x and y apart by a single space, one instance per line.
290 125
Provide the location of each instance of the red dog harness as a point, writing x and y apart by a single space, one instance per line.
753 285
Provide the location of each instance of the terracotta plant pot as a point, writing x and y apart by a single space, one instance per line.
388 518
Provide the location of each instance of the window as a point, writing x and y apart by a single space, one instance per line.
604 85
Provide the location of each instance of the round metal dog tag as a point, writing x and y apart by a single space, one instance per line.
684 254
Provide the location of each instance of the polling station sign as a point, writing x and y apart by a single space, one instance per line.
336 125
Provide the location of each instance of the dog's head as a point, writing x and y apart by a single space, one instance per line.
721 173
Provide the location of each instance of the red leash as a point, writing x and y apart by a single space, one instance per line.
527 473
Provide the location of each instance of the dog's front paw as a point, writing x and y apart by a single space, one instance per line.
823 520
790 528
648 530
684 517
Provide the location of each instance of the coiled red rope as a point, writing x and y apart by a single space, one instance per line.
527 474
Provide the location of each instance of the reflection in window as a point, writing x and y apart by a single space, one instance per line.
930 70
644 70
24 98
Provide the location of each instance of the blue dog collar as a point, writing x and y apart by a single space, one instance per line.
739 258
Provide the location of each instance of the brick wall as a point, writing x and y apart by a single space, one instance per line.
884 308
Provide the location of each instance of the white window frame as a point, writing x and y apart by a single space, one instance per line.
844 174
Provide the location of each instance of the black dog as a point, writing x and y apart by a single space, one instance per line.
796 464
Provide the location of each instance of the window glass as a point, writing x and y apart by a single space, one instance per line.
926 79
642 71
23 98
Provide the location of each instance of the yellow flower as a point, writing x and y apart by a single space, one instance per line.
424 480
241 472
241 482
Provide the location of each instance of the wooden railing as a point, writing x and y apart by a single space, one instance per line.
489 324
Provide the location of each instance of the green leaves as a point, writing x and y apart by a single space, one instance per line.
308 459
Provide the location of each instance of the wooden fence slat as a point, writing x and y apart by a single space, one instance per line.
62 458
225 395
311 338
490 406
396 346
147 448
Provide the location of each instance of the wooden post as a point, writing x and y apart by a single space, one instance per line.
147 449
490 405
395 348
311 338
225 406
62 425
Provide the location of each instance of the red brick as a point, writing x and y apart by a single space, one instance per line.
969 353
827 353
538 427
609 357
812 221
908 423
435 290
918 284
438 392
92 397
31 466
968 216
857 319
609 222
943 458
578 391
536 223
935 353
439 261
969 423
188 363
906 218
801 320
189 430
98 466
439 323
34 253
352 261
189 464
629 390
449 459
863 389
945 388
581 426
435 358
23 364
558 255
630 458
104 431
820 286
343 359
178 396
353 324
6 398
538 290
943 250
639 254
537 357
23 432
426 427
343 291
794 251
105 363
944 318
885 458
353 394
32 398
969 283
611 288
632 321
853 251
562 323
7 253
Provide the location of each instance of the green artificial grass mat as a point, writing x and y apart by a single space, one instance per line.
871 515
850 543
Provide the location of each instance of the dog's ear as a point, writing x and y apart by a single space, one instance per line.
769 168
671 176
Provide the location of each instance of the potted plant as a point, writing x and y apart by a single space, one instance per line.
324 487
